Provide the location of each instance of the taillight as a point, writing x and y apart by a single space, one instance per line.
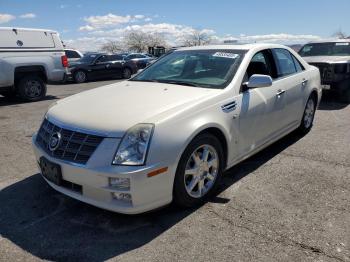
64 60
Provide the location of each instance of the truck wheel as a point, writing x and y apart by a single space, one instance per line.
80 77
31 88
126 73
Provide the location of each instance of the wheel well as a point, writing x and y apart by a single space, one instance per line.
220 136
30 70
315 95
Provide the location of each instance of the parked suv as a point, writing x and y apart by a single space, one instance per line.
333 60
30 58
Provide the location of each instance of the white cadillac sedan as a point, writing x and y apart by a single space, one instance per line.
170 132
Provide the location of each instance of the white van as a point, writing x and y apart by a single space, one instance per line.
29 59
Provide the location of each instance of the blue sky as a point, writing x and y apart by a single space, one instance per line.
89 23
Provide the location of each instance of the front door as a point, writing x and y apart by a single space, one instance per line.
262 109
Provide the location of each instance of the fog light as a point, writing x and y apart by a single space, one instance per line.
126 197
120 183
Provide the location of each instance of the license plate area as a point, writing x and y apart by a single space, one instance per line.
51 171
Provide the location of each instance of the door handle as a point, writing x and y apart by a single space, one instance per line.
108 65
280 92
304 82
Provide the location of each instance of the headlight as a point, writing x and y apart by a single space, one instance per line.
132 150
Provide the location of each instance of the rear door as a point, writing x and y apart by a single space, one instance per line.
101 67
262 109
117 62
292 79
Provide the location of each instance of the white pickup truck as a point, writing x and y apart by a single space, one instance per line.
29 59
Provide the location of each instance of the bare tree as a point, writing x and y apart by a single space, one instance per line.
112 47
139 41
196 38
340 34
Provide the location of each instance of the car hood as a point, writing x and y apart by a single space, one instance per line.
327 59
112 109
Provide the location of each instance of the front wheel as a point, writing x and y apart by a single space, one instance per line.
308 116
126 73
199 171
80 77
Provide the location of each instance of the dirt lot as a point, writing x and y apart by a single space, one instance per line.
290 202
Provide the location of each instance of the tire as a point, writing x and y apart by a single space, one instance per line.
80 77
127 73
308 115
198 175
31 88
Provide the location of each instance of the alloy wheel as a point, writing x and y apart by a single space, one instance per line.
309 113
80 77
32 89
201 171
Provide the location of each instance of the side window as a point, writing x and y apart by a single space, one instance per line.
102 59
285 63
261 64
72 54
297 64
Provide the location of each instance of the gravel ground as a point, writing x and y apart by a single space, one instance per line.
291 202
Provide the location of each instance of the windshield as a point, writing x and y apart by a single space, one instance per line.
200 68
88 58
326 49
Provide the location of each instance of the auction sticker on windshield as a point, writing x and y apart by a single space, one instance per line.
226 55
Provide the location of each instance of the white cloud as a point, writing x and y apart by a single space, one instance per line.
281 38
107 21
28 16
99 29
5 18
139 16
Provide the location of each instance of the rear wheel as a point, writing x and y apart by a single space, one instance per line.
31 88
199 171
126 73
308 116
80 77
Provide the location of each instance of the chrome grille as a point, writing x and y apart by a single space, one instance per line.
75 147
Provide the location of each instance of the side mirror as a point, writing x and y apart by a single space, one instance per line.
258 81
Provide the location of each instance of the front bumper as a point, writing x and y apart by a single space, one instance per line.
93 181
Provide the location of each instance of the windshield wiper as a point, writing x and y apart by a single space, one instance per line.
146 80
184 83
173 82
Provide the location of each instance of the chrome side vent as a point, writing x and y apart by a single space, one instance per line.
229 107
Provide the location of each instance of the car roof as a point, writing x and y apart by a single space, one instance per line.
232 47
331 41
